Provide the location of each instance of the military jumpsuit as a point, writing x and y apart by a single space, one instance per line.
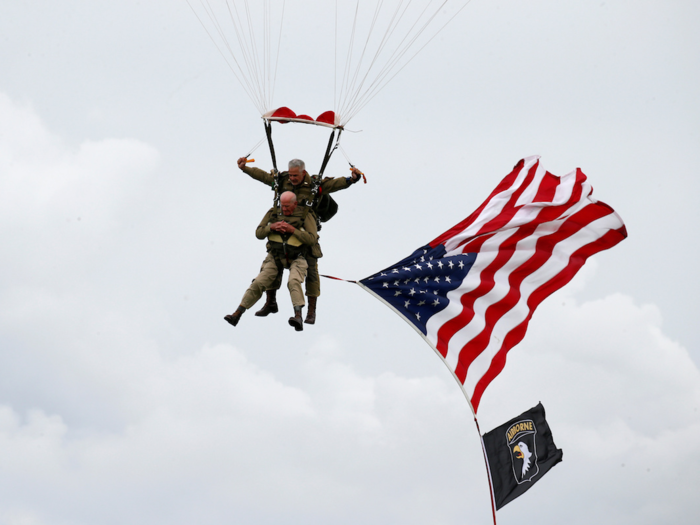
286 250
303 192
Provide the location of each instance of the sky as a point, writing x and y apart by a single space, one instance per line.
127 235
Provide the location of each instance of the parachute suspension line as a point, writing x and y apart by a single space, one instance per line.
335 62
247 47
261 64
252 150
266 48
251 80
254 62
345 155
371 93
395 57
384 40
412 35
352 166
257 73
277 58
350 92
240 76
352 82
348 59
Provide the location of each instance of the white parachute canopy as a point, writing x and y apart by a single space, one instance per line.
368 42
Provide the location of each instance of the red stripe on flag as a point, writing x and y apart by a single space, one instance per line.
506 183
505 252
544 248
610 239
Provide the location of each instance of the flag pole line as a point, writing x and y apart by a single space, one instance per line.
488 471
461 387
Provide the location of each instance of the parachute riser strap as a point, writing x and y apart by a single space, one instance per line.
316 186
268 132
275 172
330 149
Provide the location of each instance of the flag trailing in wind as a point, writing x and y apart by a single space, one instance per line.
472 291
519 453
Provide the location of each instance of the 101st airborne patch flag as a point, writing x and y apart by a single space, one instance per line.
519 453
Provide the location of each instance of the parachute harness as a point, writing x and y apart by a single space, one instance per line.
316 189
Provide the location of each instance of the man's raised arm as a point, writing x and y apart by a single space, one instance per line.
255 173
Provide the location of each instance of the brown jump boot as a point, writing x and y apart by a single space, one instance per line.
235 316
270 306
296 321
311 313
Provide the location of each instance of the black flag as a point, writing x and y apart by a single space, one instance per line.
519 453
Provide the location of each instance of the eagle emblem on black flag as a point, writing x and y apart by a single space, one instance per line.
520 437
519 451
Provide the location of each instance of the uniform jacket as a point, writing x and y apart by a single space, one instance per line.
288 246
303 190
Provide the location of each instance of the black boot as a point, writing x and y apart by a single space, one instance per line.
235 316
311 313
270 306
296 321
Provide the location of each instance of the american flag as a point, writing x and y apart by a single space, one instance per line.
472 291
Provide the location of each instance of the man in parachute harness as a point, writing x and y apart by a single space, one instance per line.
312 195
290 236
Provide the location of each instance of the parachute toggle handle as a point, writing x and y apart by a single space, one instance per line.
249 160
352 168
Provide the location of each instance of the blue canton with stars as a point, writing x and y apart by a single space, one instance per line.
417 286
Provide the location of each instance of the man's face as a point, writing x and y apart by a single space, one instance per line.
296 175
288 207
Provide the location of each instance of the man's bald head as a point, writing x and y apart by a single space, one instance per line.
288 202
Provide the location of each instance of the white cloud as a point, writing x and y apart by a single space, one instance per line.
213 435
623 401
44 181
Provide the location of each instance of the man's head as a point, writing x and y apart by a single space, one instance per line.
288 201
296 171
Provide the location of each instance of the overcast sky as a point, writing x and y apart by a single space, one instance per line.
127 234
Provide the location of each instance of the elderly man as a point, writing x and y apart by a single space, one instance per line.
289 235
298 181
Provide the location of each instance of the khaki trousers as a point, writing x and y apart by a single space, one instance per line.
313 281
266 278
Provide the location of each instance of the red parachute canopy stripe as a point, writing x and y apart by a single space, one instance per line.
284 115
